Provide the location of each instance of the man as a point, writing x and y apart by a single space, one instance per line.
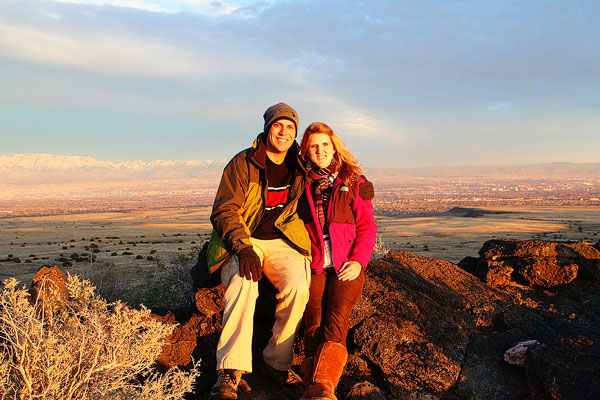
256 230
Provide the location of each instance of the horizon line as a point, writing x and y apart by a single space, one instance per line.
524 164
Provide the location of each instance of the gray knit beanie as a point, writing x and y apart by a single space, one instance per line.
278 111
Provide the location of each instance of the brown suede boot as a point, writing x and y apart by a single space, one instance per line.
328 366
306 370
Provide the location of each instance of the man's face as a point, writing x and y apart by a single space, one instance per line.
281 136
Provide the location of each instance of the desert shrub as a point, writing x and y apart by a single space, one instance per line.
111 282
380 249
85 349
170 284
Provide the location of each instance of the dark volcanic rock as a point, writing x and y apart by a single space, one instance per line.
181 343
536 262
426 329
365 391
564 372
565 321
209 303
485 375
414 321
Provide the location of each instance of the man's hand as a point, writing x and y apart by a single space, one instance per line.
349 271
250 265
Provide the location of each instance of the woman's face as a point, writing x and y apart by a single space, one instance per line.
320 149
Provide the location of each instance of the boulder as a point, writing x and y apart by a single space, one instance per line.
49 288
534 262
426 329
414 320
181 342
517 355
564 372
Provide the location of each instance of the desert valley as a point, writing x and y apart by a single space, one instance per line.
75 212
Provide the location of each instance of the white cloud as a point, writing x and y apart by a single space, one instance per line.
105 52
205 7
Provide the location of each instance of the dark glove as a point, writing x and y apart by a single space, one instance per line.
250 265
366 191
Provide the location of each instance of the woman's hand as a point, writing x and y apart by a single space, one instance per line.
349 271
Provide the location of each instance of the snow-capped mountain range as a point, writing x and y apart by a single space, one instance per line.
50 168
21 169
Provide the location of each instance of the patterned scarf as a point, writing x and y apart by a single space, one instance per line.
323 179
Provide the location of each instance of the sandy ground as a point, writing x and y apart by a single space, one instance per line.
38 241
453 238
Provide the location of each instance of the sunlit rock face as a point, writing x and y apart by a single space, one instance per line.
534 262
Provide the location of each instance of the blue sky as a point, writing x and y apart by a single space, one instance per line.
405 83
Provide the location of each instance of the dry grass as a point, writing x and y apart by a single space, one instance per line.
85 349
380 249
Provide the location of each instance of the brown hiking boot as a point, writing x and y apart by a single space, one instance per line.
328 366
283 378
226 386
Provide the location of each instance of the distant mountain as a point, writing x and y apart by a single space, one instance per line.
49 168
530 171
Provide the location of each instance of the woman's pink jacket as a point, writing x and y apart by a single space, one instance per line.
352 227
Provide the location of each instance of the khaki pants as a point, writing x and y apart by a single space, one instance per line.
289 272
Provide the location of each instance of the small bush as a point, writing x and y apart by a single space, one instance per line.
170 285
380 250
86 349
111 283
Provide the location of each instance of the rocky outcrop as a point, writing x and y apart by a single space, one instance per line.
425 328
534 262
181 342
414 321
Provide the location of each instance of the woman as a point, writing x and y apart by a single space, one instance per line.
338 213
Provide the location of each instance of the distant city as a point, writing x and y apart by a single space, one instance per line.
45 184
398 198
442 194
